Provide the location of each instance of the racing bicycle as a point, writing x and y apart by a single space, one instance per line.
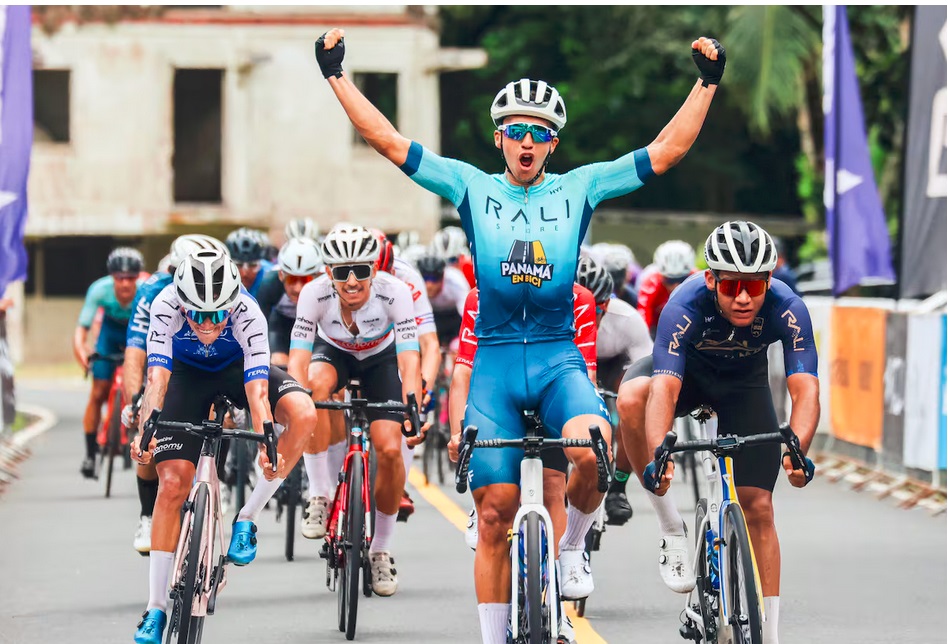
726 603
349 528
113 435
534 613
198 574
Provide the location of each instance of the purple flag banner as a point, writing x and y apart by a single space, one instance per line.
16 138
858 237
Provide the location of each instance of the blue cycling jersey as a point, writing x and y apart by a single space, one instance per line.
101 293
691 329
265 268
525 242
137 335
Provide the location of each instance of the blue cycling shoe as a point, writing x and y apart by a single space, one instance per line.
243 543
151 627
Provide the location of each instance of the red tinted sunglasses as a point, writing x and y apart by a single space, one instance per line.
733 288
292 280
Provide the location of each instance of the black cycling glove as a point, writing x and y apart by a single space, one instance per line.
711 70
330 60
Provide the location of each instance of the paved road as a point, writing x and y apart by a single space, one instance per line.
855 569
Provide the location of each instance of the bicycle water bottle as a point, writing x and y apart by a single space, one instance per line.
713 559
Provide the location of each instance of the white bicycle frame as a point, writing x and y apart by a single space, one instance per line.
531 501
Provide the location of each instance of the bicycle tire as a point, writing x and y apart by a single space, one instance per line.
703 588
292 495
181 622
113 438
537 623
352 540
742 597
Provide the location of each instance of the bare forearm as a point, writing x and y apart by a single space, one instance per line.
134 370
805 411
457 397
430 358
155 390
258 403
674 141
298 365
659 413
369 122
409 366
79 341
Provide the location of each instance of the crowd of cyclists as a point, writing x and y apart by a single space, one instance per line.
511 309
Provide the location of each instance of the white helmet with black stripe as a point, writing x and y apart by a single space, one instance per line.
740 247
348 244
187 244
305 227
207 280
300 256
527 97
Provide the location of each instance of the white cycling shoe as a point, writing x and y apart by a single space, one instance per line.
470 534
576 580
674 563
384 575
315 517
142 542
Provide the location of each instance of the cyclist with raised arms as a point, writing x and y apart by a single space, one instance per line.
525 228
207 337
357 322
134 372
672 263
114 294
622 339
249 253
711 348
298 264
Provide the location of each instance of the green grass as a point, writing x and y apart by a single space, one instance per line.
22 420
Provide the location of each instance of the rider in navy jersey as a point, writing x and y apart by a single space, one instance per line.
525 228
711 349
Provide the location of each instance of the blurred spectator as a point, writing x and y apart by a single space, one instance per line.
783 272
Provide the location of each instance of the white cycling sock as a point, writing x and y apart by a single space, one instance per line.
577 525
384 527
408 454
669 518
337 454
159 573
494 621
771 613
315 465
262 492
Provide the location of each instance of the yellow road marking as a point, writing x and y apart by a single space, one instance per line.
585 634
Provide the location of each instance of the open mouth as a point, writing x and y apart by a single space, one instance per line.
526 160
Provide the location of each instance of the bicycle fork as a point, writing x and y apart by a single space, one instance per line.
531 501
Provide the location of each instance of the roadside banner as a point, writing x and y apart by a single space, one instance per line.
820 316
893 379
923 398
857 365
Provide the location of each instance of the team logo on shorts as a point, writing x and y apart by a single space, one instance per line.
526 264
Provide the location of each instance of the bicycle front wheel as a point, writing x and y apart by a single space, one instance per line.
351 541
185 591
535 614
113 440
744 623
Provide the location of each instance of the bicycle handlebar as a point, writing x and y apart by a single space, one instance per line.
410 409
595 442
605 393
209 429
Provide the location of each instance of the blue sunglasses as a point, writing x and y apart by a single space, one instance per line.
200 317
516 132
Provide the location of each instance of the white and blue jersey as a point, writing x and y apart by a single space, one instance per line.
137 333
245 336
525 243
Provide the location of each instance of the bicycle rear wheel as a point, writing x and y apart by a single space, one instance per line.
535 615
744 624
351 540
113 440
188 629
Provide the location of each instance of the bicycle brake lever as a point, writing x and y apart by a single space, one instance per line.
464 457
269 440
602 461
148 431
413 417
793 445
663 453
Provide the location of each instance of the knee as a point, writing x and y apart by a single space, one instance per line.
323 384
494 519
630 403
173 487
389 453
584 460
759 511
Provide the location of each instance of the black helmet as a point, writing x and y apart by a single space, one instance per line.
430 265
245 245
594 277
125 260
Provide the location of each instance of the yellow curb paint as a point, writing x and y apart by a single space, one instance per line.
585 634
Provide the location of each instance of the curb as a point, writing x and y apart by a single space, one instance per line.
15 449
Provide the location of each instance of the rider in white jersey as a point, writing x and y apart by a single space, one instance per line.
357 322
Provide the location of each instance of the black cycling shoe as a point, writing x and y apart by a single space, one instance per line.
618 510
88 467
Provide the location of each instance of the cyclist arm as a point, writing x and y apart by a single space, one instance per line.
154 398
79 350
133 372
298 365
676 138
430 358
368 121
94 298
457 402
660 408
303 334
258 402
804 391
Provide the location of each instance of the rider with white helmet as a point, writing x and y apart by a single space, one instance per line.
208 338
304 227
672 263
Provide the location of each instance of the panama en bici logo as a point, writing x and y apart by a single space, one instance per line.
526 264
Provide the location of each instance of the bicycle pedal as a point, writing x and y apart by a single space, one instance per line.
510 535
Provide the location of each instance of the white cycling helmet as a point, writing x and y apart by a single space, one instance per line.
187 244
300 256
406 238
449 243
306 227
741 247
527 97
207 280
616 257
674 259
413 253
348 244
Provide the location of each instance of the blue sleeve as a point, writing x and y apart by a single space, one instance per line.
676 326
447 178
137 335
95 297
615 178
796 330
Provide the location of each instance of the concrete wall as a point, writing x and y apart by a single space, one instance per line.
287 146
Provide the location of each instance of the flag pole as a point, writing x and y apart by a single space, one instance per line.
837 160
